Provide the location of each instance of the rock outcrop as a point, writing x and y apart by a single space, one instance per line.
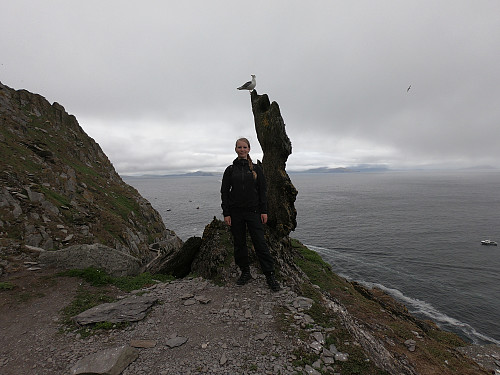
281 194
215 260
58 188
276 146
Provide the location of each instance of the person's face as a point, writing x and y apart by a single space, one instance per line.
242 149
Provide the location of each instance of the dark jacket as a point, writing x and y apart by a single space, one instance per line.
240 191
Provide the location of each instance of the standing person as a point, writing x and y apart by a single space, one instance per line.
244 205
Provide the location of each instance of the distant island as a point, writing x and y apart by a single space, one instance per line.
359 168
362 168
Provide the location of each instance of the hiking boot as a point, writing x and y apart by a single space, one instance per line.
272 282
245 277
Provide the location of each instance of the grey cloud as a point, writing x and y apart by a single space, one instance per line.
161 78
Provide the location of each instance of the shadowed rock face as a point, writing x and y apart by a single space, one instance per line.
276 146
215 259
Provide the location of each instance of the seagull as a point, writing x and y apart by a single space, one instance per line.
408 89
250 85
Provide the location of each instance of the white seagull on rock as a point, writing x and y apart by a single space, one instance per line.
250 85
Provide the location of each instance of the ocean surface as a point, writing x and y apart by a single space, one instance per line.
415 235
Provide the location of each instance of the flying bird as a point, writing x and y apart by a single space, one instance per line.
250 85
408 89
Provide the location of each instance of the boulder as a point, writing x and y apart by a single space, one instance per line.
114 262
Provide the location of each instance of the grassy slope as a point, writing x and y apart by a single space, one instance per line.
385 318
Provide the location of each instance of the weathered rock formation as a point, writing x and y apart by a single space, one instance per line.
281 194
276 146
215 258
58 188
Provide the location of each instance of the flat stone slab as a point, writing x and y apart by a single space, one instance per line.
107 362
143 343
202 299
189 302
176 341
129 309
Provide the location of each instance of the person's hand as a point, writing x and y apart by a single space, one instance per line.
227 220
263 218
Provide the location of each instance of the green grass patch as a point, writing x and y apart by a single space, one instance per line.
129 283
91 275
6 285
304 357
318 271
27 296
96 277
84 170
112 223
446 338
58 199
124 205
83 301
358 364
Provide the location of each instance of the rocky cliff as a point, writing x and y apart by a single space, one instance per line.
58 188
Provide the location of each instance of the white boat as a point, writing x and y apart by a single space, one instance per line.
488 243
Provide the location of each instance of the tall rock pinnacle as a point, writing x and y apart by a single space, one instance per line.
276 146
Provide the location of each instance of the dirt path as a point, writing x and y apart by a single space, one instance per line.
29 319
235 332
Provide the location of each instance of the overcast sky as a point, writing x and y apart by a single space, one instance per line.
154 82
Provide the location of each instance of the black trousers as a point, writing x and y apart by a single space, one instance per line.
240 221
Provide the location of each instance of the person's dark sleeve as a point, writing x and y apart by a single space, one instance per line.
224 192
261 180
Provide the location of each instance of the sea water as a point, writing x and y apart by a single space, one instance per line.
416 235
